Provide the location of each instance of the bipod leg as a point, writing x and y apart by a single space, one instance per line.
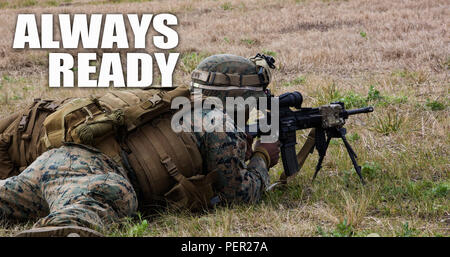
353 156
321 157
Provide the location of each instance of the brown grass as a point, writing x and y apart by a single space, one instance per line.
339 49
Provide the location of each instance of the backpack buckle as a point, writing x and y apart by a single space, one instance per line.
151 102
170 166
50 106
23 123
155 99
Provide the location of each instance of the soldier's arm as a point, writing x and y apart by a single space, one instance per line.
237 181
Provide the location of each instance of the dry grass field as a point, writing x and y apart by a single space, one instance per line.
393 55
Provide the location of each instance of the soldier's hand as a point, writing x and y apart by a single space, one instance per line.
272 149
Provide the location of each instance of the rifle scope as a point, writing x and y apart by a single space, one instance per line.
291 99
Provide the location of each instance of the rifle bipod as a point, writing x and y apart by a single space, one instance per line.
322 146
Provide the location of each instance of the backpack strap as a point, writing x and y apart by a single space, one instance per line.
171 167
27 135
25 130
147 110
23 124
196 195
6 164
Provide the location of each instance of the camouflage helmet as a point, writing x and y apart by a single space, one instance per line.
232 75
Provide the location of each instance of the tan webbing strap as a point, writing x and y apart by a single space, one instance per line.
141 94
217 78
26 136
33 152
175 142
129 98
33 130
173 171
307 148
26 123
159 103
6 164
168 96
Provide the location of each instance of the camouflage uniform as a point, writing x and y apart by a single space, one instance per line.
70 185
77 185
225 153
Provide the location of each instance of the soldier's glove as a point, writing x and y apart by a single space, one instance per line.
269 151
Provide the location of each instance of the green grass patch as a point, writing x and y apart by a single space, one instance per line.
190 60
16 97
297 81
249 41
226 6
440 190
408 231
353 99
353 137
268 52
3 4
52 3
28 3
373 94
435 105
342 229
388 123
411 77
370 170
138 229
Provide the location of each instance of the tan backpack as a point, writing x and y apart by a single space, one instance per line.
133 128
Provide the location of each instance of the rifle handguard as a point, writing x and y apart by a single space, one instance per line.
261 151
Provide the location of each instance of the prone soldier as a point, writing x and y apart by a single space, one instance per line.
79 164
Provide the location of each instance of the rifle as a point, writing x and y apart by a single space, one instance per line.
326 121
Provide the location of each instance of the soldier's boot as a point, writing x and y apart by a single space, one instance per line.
65 231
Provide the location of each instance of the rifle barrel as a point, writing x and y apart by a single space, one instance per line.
358 111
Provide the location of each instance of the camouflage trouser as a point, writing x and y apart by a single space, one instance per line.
71 185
